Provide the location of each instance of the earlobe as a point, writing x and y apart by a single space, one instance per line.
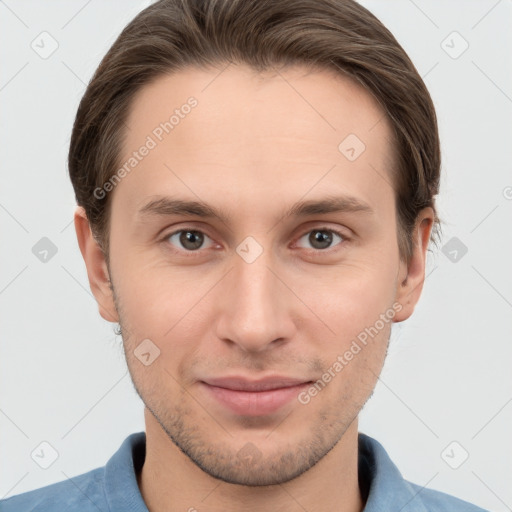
412 277
97 271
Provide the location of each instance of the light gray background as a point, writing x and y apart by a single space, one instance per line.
447 378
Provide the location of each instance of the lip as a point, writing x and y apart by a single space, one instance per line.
254 397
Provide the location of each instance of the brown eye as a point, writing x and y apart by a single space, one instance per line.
187 239
321 239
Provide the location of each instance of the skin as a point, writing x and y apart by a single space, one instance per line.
254 146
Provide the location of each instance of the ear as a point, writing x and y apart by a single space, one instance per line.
97 271
411 278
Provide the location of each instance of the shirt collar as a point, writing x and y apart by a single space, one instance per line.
387 488
121 488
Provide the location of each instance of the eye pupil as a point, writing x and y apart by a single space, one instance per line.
191 240
321 237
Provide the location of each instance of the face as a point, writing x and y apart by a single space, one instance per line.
288 277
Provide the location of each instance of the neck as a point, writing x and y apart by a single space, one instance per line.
169 481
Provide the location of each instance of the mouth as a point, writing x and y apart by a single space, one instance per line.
254 397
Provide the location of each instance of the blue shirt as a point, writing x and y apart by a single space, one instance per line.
113 488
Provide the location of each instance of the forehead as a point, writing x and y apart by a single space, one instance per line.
248 129
300 98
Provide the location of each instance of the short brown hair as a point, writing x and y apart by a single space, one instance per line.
339 35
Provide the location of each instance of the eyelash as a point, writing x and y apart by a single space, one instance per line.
344 238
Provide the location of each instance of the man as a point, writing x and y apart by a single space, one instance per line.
256 184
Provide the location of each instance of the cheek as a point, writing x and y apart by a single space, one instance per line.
358 309
165 311
354 361
352 299
154 294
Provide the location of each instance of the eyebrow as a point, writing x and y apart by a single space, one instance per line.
167 206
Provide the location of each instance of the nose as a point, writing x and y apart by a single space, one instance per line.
255 306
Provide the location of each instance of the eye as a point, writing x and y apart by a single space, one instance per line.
189 239
322 239
192 240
